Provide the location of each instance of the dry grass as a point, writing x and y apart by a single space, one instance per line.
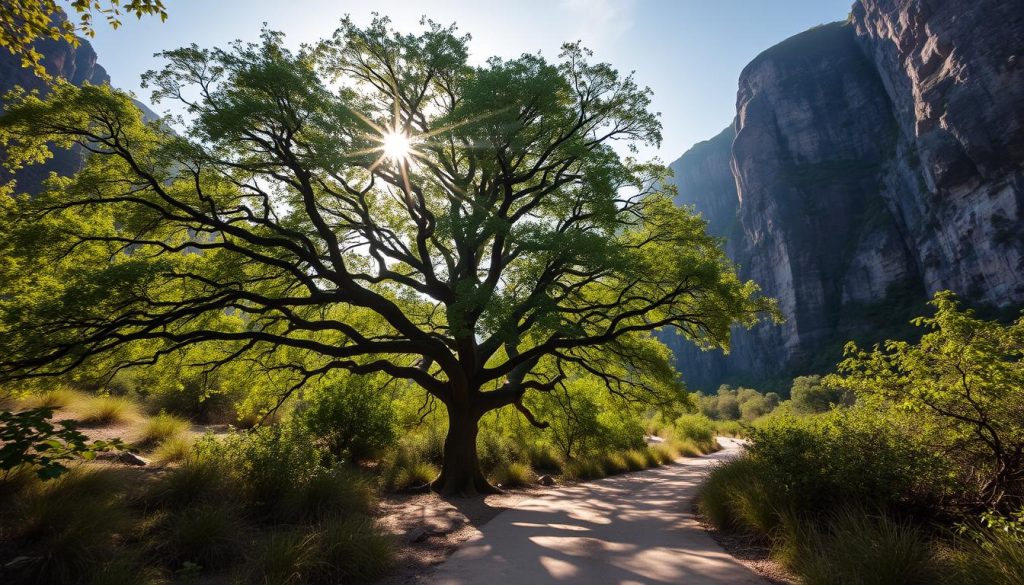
161 428
106 410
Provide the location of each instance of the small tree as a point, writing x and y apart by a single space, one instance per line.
809 395
371 203
967 376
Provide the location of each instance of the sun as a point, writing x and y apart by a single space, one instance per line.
397 146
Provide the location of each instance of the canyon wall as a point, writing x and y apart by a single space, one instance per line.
871 163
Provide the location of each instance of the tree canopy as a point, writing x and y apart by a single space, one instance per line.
23 22
371 202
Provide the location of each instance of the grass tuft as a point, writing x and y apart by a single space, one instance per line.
106 410
69 524
160 428
513 474
636 460
173 450
56 398
584 468
615 463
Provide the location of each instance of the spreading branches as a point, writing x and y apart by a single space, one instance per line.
510 251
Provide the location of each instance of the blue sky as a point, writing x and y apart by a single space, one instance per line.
690 52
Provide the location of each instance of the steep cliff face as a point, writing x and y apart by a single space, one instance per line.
874 162
954 73
77 64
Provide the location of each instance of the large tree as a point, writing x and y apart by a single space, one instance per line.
373 203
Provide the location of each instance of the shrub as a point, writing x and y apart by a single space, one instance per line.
730 428
199 479
106 410
497 451
338 493
987 556
544 456
161 428
809 395
348 418
269 462
698 429
964 382
855 456
208 535
724 485
687 448
651 457
513 474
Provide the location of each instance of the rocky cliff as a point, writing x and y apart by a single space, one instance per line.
77 64
871 163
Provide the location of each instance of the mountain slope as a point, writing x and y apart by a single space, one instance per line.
873 162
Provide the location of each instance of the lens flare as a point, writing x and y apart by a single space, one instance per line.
397 146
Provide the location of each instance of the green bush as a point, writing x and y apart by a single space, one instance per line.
809 395
651 457
348 418
335 493
698 429
200 478
856 456
987 556
209 535
497 451
665 453
545 457
268 463
172 450
724 485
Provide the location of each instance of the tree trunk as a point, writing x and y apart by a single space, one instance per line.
460 470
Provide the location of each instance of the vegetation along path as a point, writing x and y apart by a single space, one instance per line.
636 528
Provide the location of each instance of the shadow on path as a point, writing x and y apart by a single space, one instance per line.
628 529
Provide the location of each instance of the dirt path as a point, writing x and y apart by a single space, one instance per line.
631 529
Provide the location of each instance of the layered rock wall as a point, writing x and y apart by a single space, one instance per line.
873 162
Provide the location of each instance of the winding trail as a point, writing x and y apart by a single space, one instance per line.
624 530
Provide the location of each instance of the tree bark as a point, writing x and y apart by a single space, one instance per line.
460 470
